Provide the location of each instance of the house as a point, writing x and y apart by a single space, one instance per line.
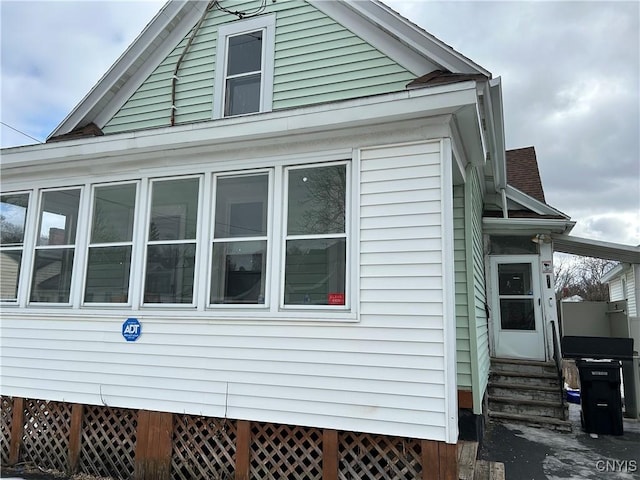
621 280
306 210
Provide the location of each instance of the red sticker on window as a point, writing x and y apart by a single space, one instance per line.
336 298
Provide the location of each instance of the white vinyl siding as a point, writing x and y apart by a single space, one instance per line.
623 287
615 290
316 60
384 373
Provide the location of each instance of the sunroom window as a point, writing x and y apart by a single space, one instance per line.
171 241
238 271
55 246
13 217
110 248
316 238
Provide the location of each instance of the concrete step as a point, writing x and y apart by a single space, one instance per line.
486 470
522 366
526 379
525 392
467 454
536 408
532 421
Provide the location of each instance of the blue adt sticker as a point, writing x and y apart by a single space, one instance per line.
131 329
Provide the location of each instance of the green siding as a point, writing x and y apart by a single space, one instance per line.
480 297
472 338
463 354
316 60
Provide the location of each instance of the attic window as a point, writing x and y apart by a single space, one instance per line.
244 67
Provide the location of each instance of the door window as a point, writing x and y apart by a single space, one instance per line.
517 310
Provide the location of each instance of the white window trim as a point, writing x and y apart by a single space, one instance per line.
199 310
88 244
267 23
211 240
76 246
26 237
196 241
346 235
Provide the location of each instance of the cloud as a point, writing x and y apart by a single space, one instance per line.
48 67
571 81
570 73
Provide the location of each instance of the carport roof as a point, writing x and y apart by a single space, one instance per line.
587 247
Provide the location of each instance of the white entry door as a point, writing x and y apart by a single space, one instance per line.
517 310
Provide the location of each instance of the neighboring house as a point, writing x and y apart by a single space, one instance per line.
622 283
308 207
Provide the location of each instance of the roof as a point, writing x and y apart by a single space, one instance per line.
442 77
523 173
588 247
409 45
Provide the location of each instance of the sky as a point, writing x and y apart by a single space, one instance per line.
570 75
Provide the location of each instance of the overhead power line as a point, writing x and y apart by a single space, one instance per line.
20 132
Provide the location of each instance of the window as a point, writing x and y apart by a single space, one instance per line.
111 242
316 236
238 270
269 242
244 67
13 217
171 241
55 246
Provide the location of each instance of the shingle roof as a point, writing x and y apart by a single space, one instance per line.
523 173
441 77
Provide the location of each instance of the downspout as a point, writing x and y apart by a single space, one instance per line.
505 210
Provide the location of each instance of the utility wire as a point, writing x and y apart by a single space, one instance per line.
21 133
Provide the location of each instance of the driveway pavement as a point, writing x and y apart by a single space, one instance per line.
537 454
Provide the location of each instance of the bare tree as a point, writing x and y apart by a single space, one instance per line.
583 277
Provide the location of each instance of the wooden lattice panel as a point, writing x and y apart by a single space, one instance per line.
203 447
377 457
5 429
108 441
281 452
45 437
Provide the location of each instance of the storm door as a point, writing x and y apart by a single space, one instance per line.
516 312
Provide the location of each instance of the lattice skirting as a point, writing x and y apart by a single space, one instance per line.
129 444
5 429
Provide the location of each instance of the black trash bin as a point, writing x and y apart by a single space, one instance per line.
600 396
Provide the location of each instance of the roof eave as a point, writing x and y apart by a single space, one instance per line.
526 226
531 203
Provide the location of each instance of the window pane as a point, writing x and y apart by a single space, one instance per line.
59 217
315 272
317 200
13 215
512 245
517 314
243 95
174 210
9 274
245 53
241 206
108 275
113 210
169 277
238 272
51 280
515 279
